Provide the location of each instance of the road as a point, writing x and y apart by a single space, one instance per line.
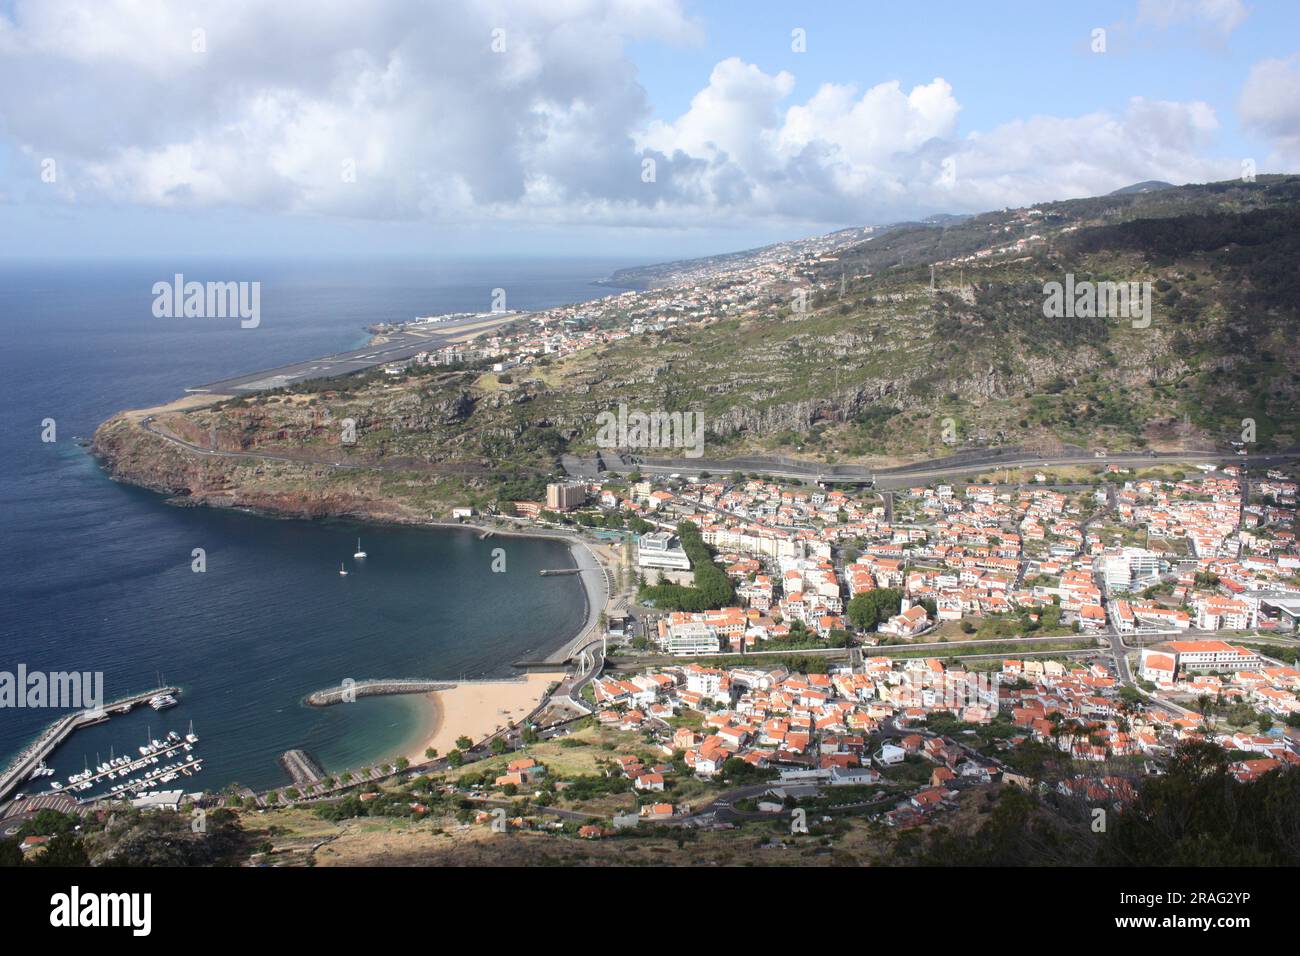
945 650
588 662
334 461
963 463
1118 651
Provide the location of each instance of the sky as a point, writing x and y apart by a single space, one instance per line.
655 128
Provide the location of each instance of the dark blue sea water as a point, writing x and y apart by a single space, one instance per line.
96 575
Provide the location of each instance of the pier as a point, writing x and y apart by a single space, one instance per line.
59 731
373 688
187 767
304 769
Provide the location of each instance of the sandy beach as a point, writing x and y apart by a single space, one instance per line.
476 710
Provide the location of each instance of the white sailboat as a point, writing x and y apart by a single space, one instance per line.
360 553
342 570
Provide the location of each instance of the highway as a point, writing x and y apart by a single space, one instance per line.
960 464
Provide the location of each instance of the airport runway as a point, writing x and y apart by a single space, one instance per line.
401 345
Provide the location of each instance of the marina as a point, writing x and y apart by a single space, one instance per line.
160 761
30 763
148 769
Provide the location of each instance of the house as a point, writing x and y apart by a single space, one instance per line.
907 623
657 811
889 755
1157 667
940 776
852 776
521 772
1092 617
32 842
929 798
650 781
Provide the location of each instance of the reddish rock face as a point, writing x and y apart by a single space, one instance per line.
293 488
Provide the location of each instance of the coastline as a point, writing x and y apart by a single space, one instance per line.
595 587
477 710
440 717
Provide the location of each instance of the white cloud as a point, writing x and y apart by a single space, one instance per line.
890 152
1219 17
1270 104
437 123
554 129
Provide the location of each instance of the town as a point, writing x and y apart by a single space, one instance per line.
693 293
1107 619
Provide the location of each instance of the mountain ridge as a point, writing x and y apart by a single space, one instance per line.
835 356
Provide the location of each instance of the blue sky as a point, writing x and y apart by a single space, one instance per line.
1007 59
233 144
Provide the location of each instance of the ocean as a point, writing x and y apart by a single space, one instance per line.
96 575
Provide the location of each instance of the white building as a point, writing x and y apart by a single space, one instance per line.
1205 655
1219 613
703 680
1131 569
889 754
692 637
661 550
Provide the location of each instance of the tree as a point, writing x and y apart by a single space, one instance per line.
64 850
713 589
455 758
47 823
869 608
464 743
498 745
430 753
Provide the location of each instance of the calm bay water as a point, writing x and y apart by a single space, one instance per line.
96 575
